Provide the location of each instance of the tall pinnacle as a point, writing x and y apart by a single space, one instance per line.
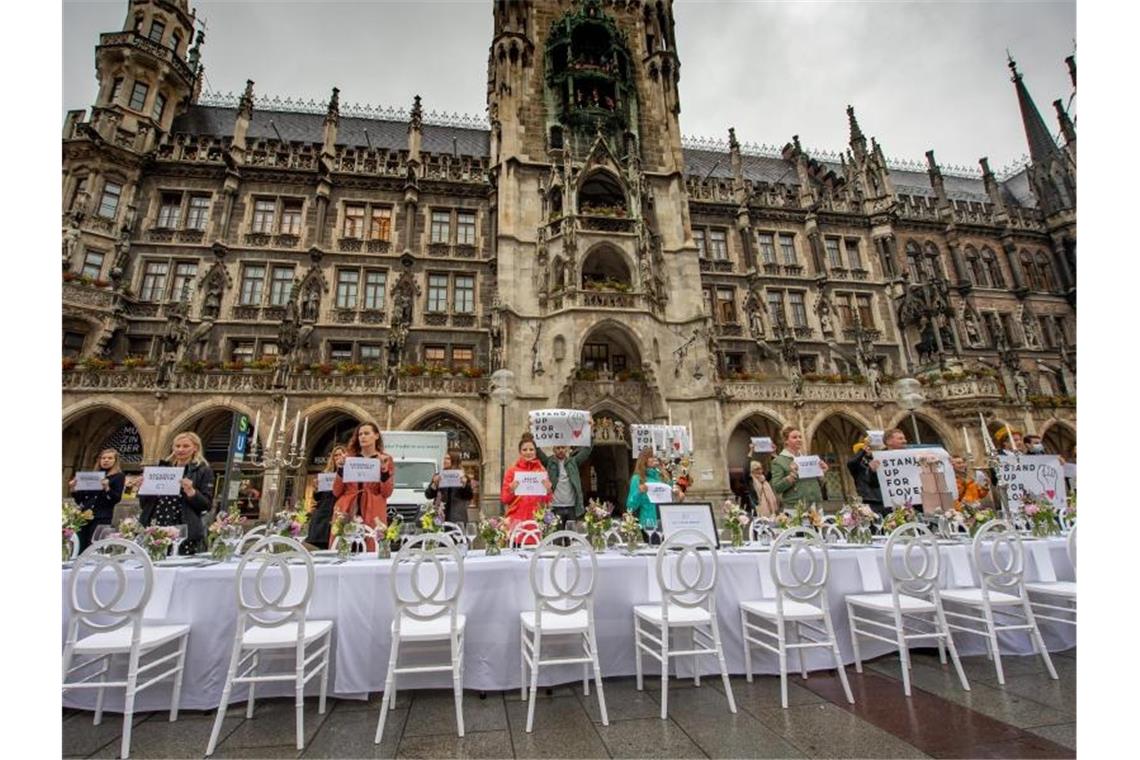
1041 143
856 133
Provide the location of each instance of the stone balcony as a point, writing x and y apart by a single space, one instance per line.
134 40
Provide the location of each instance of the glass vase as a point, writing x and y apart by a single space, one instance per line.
156 553
737 539
598 541
383 549
493 549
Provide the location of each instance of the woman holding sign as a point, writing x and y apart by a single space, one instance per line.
100 497
320 522
368 498
526 486
454 498
194 498
786 480
646 472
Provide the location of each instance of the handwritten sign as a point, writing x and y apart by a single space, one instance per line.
361 470
899 474
1071 471
809 467
763 445
1034 475
659 493
560 427
695 516
530 484
161 481
325 481
876 438
666 440
89 481
450 478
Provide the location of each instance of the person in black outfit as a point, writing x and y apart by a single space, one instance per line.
102 502
320 522
865 477
192 502
454 500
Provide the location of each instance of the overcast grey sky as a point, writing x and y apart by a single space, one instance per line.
920 75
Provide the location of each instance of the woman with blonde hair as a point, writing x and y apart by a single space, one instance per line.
369 500
101 502
194 498
761 499
786 479
320 522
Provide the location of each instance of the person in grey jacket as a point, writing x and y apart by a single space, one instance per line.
568 499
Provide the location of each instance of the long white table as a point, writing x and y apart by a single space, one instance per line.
356 595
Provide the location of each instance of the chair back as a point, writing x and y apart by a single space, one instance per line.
760 529
999 557
805 576
525 533
877 524
281 584
358 536
830 520
562 574
1064 519
913 560
686 571
614 538
423 561
251 537
830 533
1071 547
100 595
455 530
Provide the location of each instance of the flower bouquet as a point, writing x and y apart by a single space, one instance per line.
157 540
289 523
547 520
1042 515
976 515
855 520
345 530
224 534
387 535
736 520
598 521
807 516
899 517
493 532
74 519
431 518
630 530
130 529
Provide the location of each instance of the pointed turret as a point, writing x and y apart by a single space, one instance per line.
1051 172
857 141
332 123
241 122
415 130
1041 143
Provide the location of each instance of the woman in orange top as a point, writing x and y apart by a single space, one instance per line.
369 500
522 507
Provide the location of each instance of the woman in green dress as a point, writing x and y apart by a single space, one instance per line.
786 481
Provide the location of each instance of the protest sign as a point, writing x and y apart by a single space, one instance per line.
89 481
763 445
875 438
1033 475
659 493
808 467
529 484
361 470
161 481
450 478
665 440
899 474
325 481
560 427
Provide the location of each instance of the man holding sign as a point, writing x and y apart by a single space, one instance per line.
900 475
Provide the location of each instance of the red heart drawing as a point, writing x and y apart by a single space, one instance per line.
1050 494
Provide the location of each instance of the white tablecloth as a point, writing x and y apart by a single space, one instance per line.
356 595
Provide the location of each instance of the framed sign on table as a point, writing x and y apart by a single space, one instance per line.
696 516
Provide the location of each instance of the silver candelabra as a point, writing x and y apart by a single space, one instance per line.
277 458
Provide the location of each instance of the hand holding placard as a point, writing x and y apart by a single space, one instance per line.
659 493
809 466
763 445
161 481
89 481
325 481
450 478
361 470
529 483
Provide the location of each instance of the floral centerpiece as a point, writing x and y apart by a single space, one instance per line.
344 531
598 521
157 540
547 520
1042 515
129 529
432 517
855 520
899 517
1071 507
975 515
630 530
493 532
289 523
224 534
736 520
74 519
807 516
387 535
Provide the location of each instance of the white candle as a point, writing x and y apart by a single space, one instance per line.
296 427
670 416
305 434
272 428
966 438
284 412
256 431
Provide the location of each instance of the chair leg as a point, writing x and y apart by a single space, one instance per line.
536 654
252 685
904 663
457 687
747 645
993 641
950 645
177 697
1035 636
299 690
389 688
855 639
106 665
129 703
695 660
664 670
781 641
586 679
637 651
831 638
593 643
325 673
800 651
225 703
941 646
522 662
723 665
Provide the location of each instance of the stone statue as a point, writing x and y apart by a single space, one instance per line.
311 303
172 342
970 324
287 335
198 342
823 308
1029 327
1021 387
70 244
212 301
403 298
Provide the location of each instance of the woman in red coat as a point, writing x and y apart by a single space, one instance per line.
517 508
369 500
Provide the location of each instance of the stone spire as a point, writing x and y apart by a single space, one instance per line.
245 105
415 130
332 124
857 141
1041 143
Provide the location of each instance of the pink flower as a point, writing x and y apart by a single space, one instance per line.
1031 509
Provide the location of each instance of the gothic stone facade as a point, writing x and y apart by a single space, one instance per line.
218 252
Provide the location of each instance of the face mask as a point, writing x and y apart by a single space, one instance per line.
1037 448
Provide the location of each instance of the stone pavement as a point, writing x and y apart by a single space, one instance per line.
1031 716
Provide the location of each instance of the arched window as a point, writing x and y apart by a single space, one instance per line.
1045 272
974 267
1028 271
601 195
914 261
934 261
993 268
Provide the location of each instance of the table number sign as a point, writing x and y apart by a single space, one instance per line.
690 516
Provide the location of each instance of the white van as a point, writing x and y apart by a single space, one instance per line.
418 456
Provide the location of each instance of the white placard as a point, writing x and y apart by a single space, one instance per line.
659 493
1071 471
560 427
530 483
666 440
1037 474
876 438
763 445
450 478
642 437
235 490
361 470
899 474
697 516
325 481
89 481
161 481
808 467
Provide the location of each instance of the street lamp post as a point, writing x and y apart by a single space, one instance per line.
503 392
908 394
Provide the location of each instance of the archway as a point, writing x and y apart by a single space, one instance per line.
95 429
605 473
736 449
832 441
1061 439
605 268
330 428
609 349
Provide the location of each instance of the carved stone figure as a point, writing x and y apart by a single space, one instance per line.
311 303
1029 327
1021 387
212 301
172 341
403 298
70 245
970 324
198 342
